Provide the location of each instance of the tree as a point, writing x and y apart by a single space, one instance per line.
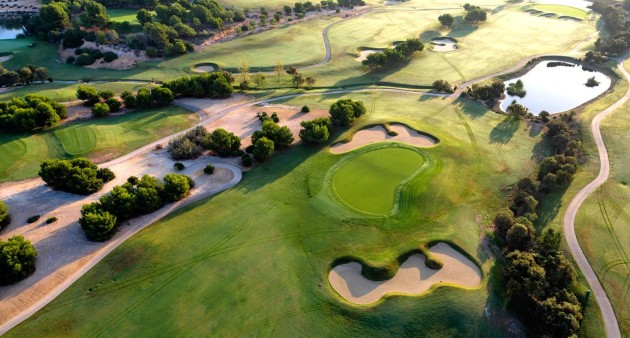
143 98
476 15
442 86
87 94
176 187
310 81
244 70
17 260
5 216
298 80
149 192
97 224
446 20
516 110
561 317
525 277
52 17
144 16
259 80
222 142
95 14
162 96
100 110
345 112
120 202
113 104
519 237
77 176
106 94
279 69
263 149
209 169
41 73
282 137
315 131
503 221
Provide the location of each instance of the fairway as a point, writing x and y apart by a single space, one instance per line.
370 182
120 15
99 139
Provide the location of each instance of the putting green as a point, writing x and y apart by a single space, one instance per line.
370 182
562 10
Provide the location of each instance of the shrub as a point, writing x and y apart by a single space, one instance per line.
100 110
274 117
30 112
305 109
315 131
179 166
77 176
249 149
33 219
132 180
280 136
105 174
177 186
106 94
17 260
188 145
209 169
70 59
5 216
110 56
345 112
222 142
246 160
51 220
84 59
113 104
212 85
98 224
152 52
442 86
161 97
88 94
263 149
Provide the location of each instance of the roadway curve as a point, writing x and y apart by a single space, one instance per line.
610 320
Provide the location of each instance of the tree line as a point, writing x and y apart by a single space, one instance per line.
24 76
390 57
29 113
618 41
540 279
100 220
77 176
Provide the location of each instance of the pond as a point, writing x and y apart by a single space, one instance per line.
9 33
556 86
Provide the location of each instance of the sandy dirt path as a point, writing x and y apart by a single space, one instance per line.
412 278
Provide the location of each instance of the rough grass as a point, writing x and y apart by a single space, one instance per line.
370 181
120 15
271 240
100 139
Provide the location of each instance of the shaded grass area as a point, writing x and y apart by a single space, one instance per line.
99 139
268 243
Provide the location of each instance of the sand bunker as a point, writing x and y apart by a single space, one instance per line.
569 18
364 54
379 134
444 44
413 277
203 69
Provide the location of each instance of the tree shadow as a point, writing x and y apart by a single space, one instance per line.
504 131
548 210
461 28
469 109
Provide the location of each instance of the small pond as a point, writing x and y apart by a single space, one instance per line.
9 33
556 88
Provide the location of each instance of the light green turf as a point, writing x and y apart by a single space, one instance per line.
99 139
561 10
120 15
268 243
370 182
13 44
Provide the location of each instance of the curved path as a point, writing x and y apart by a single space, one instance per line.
608 314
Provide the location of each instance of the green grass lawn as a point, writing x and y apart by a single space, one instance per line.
561 10
370 181
67 92
13 44
100 139
120 15
254 260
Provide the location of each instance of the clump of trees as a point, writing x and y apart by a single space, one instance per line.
30 112
17 260
492 91
446 20
390 57
474 14
345 112
23 76
212 85
618 41
103 102
443 86
5 216
517 110
76 176
539 277
282 137
517 89
191 144
100 220
591 82
316 131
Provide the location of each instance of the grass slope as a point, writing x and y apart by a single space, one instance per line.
370 181
254 260
100 139
561 10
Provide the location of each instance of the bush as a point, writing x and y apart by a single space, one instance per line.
305 109
263 149
110 56
188 145
179 166
100 110
51 220
77 176
5 216
280 136
222 142
33 219
152 52
70 59
98 224
274 117
246 160
345 112
113 104
84 59
105 174
17 260
177 186
132 180
88 94
161 97
209 169
442 86
316 131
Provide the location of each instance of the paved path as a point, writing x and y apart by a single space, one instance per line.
610 320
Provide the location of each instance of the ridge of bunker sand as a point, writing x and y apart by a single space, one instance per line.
412 278
378 133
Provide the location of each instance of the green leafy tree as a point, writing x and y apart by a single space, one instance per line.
446 20
263 149
5 216
88 94
503 221
176 187
345 112
315 131
97 224
144 16
525 277
282 137
223 142
100 110
161 96
519 237
17 260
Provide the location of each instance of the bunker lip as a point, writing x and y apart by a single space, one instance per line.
378 133
204 67
444 44
412 278
364 54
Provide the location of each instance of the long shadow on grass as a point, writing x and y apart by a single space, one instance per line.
548 209
498 320
504 131
471 108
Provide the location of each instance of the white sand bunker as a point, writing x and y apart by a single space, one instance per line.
444 44
203 69
379 134
413 277
364 54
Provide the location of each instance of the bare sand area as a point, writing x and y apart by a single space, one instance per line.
203 69
364 54
127 58
413 277
443 44
378 134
